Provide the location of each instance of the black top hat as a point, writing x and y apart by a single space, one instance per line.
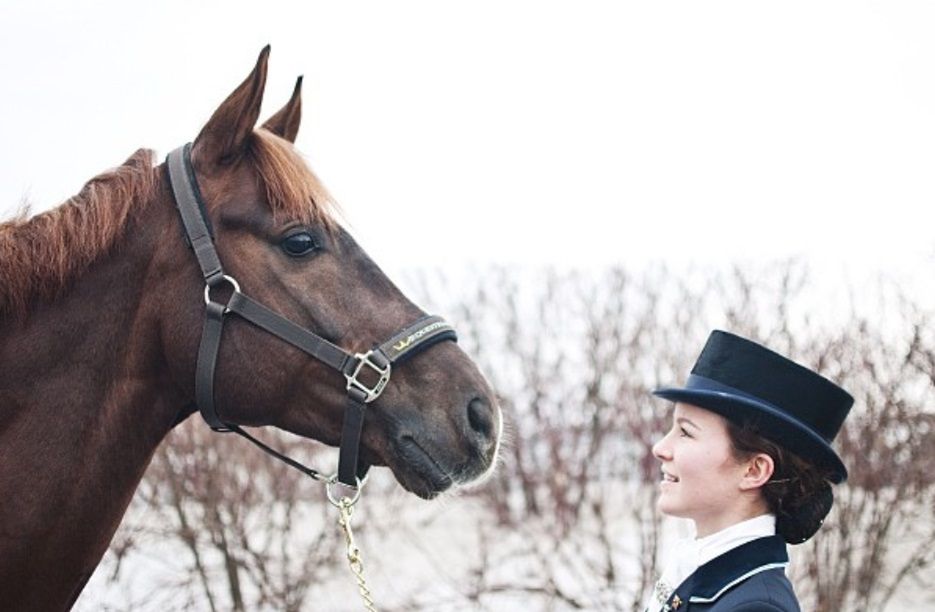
789 404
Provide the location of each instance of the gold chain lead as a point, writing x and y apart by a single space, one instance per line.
346 507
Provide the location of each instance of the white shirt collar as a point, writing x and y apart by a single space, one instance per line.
736 535
692 553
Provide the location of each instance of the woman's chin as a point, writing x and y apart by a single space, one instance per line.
669 506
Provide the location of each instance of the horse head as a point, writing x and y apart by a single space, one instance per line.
436 423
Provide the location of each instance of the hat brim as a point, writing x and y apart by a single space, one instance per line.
772 423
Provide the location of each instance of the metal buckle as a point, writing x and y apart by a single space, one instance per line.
353 383
225 278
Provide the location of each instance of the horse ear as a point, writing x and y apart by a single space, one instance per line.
285 123
225 135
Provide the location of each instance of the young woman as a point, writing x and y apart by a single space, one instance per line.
748 459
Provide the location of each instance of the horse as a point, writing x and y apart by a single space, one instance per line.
101 325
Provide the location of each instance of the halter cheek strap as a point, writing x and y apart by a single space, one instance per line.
366 374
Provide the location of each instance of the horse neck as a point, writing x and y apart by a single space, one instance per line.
84 402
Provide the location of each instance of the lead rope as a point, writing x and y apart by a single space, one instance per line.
353 554
345 507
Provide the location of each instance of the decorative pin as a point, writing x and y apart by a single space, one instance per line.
676 602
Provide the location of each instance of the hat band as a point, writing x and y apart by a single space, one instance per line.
703 383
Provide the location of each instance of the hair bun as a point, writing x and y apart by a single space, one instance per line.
799 518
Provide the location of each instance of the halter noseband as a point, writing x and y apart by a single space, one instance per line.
367 374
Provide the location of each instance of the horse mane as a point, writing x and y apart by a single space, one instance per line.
292 189
40 255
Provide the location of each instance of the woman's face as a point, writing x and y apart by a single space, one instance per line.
701 479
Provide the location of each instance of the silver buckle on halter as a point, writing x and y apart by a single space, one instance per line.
224 278
353 383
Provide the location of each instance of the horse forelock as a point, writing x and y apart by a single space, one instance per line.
40 255
292 189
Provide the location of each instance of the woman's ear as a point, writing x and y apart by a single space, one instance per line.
759 469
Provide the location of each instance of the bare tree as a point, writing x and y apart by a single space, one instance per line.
568 522
246 532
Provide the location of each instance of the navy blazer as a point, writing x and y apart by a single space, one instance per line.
749 578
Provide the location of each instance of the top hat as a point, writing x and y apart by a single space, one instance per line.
788 403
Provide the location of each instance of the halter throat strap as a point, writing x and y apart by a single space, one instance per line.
366 374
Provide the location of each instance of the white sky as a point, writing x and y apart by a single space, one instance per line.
587 133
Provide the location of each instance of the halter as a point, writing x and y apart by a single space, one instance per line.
367 374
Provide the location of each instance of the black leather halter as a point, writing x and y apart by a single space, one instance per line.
367 374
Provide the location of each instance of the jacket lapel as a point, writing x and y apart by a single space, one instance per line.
720 574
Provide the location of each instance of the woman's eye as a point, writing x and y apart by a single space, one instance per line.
684 433
299 244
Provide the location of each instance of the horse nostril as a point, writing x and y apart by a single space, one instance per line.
480 417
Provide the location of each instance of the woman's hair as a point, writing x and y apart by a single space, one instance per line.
798 492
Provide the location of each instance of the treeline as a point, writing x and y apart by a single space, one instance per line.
568 520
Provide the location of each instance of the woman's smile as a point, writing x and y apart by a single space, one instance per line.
700 475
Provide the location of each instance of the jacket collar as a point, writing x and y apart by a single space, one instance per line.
718 575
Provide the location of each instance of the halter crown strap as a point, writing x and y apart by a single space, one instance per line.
359 369
190 205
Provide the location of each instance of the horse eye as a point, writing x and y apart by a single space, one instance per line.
299 244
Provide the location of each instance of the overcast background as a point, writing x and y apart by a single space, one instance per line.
567 133
579 134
